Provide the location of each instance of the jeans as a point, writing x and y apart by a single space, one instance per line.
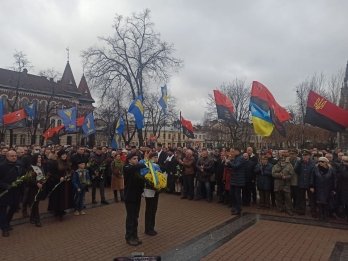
208 191
79 199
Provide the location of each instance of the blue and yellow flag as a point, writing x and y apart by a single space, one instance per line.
261 119
136 108
88 126
163 101
30 109
68 117
119 127
114 144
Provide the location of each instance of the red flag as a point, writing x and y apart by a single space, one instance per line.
324 114
14 117
52 131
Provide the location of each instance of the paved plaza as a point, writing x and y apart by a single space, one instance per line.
187 230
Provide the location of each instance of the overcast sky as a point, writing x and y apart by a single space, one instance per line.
277 42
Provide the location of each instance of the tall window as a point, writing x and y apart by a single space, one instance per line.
15 139
53 123
59 122
22 139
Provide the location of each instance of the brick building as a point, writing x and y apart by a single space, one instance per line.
18 89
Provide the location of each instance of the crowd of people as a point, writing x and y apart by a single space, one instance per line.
290 181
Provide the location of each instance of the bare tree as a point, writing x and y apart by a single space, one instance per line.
20 65
155 118
51 74
132 57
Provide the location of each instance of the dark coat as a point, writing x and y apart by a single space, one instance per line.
264 177
134 183
250 170
323 182
238 166
9 172
304 171
205 168
62 197
343 184
161 159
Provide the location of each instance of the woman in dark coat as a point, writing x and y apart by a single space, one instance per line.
37 190
264 181
322 185
60 195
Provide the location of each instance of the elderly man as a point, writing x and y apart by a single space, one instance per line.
10 170
304 169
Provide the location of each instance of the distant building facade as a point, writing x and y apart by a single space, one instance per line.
18 89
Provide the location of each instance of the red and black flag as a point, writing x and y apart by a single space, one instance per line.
324 114
50 133
224 107
15 119
187 128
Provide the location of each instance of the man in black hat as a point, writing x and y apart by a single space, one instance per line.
134 187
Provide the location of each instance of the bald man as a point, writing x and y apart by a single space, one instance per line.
10 170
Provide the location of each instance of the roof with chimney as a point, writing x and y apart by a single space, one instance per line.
26 82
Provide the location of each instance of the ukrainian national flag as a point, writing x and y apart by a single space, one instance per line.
261 118
163 101
324 114
136 108
224 107
266 112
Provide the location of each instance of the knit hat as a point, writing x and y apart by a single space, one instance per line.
61 152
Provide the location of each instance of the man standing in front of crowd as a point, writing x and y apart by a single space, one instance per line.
305 169
10 170
282 173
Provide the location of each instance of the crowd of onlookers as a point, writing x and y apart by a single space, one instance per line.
288 180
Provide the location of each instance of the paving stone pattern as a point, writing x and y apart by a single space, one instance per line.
204 230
